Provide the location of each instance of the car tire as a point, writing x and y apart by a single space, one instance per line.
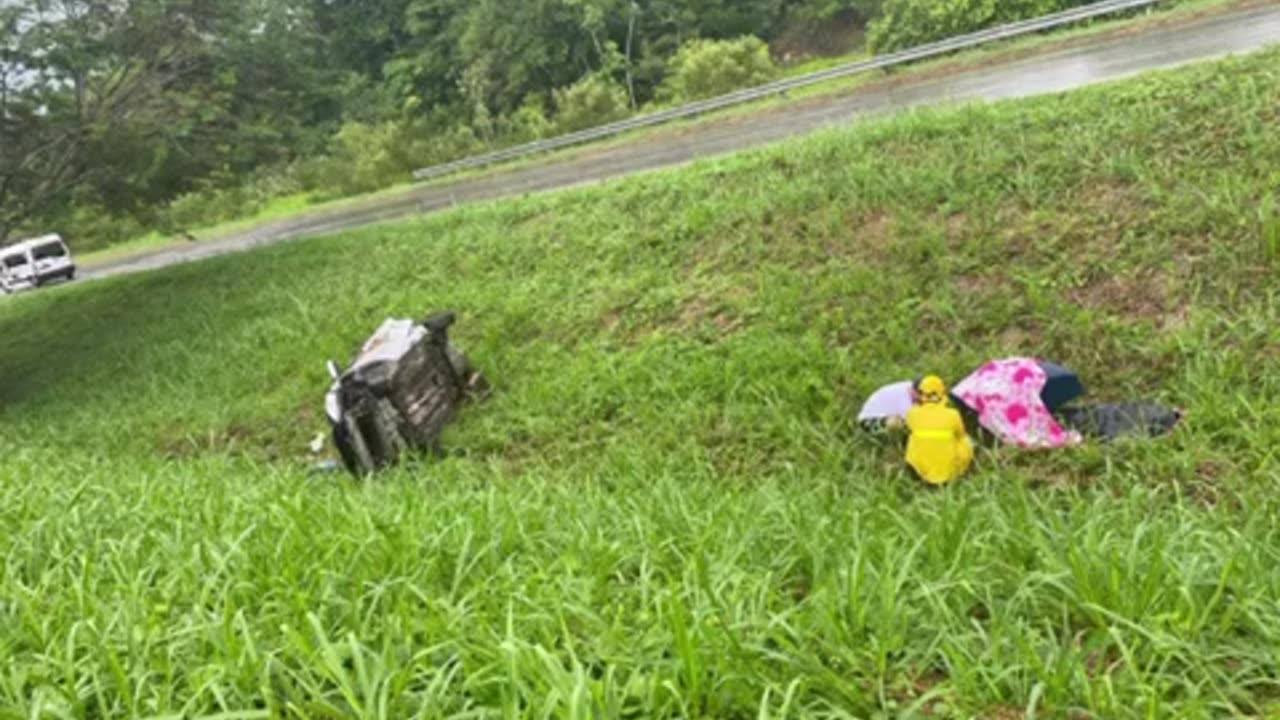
347 450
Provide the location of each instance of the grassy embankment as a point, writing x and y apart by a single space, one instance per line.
291 206
665 509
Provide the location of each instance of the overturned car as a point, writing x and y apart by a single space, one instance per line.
405 385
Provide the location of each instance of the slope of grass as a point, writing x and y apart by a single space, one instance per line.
299 204
665 509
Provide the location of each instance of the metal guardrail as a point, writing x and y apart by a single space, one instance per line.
1025 27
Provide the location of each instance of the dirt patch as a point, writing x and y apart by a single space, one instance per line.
699 312
876 228
1017 234
716 256
907 690
709 314
1212 469
797 587
1144 295
978 286
1097 215
957 227
1016 337
611 320
1207 490
693 313
803 242
1110 194
1176 319
869 236
1100 662
1005 712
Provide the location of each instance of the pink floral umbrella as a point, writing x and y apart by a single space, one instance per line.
1006 396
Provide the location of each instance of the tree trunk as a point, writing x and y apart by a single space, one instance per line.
631 31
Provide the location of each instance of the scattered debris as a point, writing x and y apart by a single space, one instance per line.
325 467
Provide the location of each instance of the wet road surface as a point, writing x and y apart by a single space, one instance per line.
1089 62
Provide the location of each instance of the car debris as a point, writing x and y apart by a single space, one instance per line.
404 386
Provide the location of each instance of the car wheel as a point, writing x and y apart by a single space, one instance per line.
353 448
346 449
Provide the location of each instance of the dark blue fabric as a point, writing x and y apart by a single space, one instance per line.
1061 385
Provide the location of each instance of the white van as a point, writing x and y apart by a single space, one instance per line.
35 262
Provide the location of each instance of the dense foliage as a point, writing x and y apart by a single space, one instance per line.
705 68
907 23
122 116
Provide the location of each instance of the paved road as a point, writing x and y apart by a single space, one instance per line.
1095 61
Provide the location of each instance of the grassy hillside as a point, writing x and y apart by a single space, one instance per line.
665 509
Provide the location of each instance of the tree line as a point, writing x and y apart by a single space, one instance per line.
123 116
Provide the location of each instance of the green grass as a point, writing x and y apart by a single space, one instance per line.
130 248
276 209
817 64
301 203
1002 51
664 509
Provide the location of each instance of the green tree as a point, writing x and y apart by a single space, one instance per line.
594 100
704 68
530 46
113 110
907 23
79 78
426 71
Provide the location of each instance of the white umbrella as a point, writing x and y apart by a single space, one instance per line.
890 401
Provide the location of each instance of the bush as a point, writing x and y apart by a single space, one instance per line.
223 199
908 23
371 156
319 175
202 207
705 68
88 226
448 144
528 123
593 100
365 157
